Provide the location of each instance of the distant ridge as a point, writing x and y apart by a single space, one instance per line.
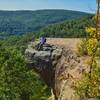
24 21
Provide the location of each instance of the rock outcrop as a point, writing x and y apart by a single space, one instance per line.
60 68
44 61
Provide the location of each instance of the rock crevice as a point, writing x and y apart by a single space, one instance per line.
58 67
44 61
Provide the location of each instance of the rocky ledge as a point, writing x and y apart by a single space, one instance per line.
43 61
60 68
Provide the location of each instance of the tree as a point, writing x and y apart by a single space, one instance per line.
89 85
16 81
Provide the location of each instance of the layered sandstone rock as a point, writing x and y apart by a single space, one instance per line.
60 68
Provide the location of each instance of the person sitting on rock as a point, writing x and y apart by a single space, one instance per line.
42 42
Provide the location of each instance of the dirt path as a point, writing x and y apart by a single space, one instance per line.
65 42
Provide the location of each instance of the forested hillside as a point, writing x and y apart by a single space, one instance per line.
68 28
19 22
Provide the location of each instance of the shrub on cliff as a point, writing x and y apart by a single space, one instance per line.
89 84
16 81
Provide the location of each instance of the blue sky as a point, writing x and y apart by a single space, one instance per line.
79 5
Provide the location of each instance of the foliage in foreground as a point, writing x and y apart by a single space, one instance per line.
85 47
89 87
89 84
17 82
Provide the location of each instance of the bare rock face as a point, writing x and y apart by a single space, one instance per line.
59 68
44 61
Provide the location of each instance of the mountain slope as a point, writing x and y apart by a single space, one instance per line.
19 22
69 28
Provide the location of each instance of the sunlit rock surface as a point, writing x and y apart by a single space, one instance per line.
60 68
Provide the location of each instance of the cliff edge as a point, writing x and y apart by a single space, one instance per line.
59 67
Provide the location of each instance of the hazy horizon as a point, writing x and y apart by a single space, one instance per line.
75 5
48 9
